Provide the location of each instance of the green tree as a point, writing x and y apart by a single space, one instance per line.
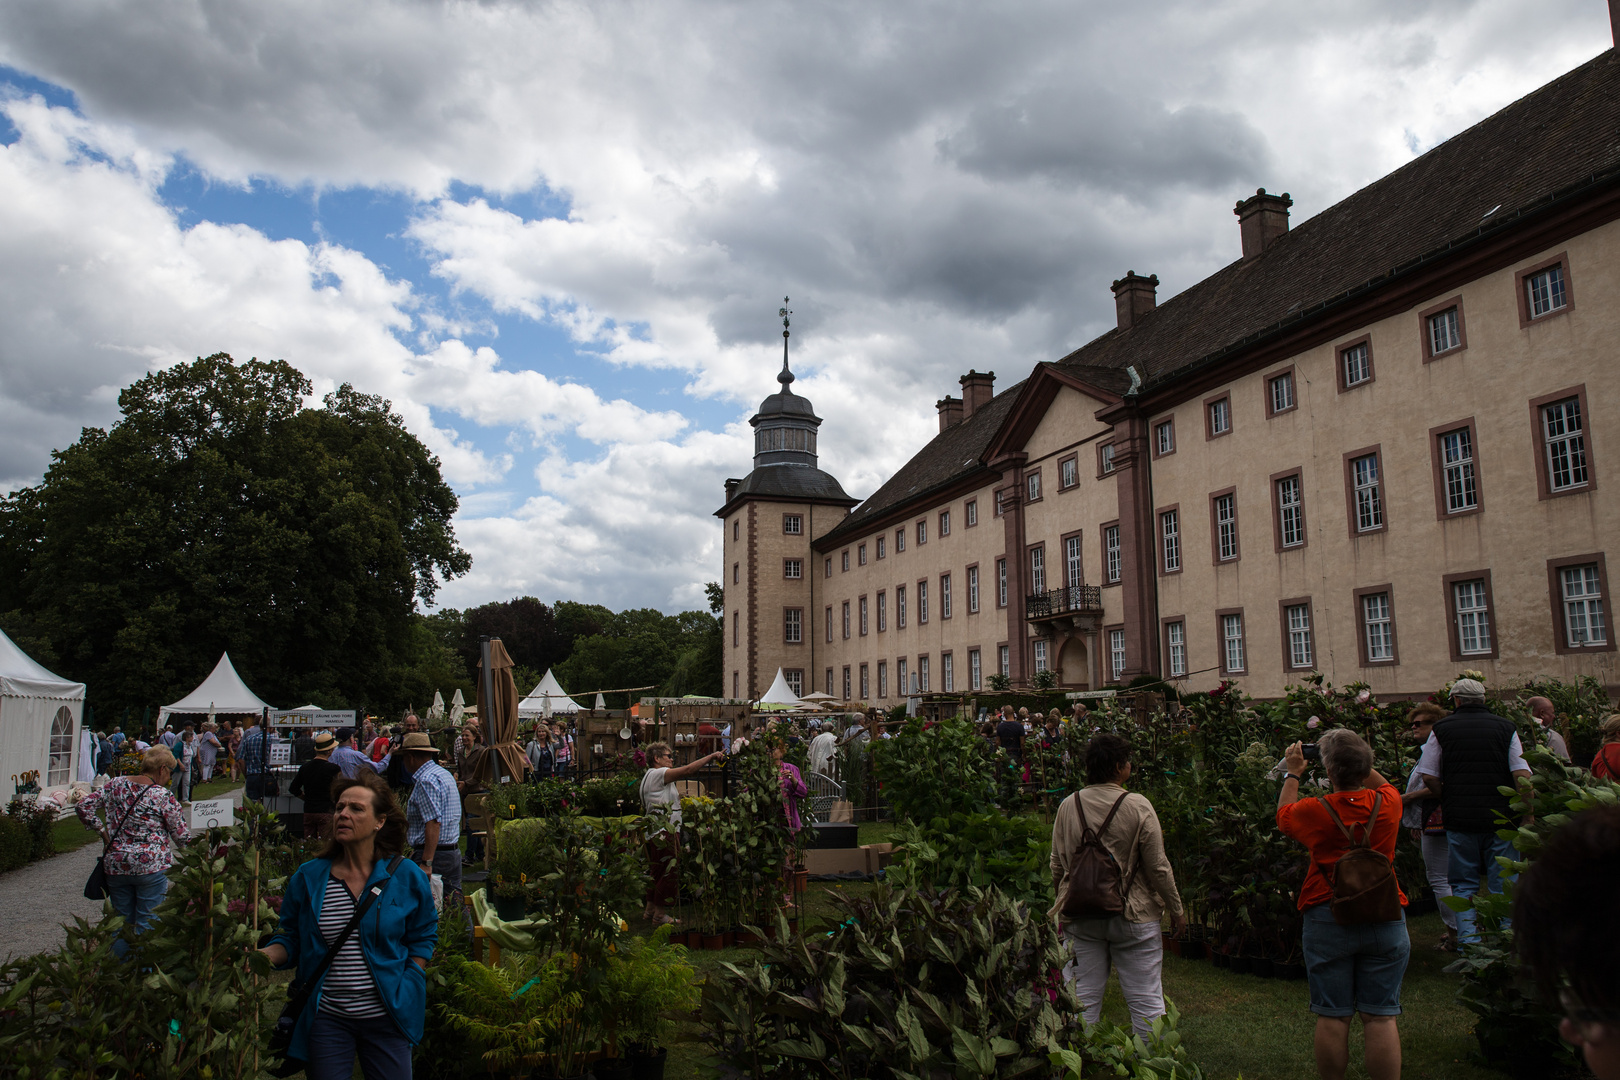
221 513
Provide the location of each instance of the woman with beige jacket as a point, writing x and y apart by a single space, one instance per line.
1129 941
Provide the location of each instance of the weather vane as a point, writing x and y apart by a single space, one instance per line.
786 313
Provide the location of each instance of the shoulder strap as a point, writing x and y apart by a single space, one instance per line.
123 820
1366 831
1109 820
1080 808
348 930
1334 814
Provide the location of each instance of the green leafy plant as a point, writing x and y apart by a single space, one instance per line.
648 983
1044 679
1009 853
931 773
998 682
16 845
1107 1049
39 819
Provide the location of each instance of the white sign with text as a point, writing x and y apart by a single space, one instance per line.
213 813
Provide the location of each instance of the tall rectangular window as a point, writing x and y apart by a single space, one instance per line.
1170 535
793 625
922 532
1175 639
975 672
1164 437
828 622
1563 433
1073 572
883 611
1111 557
846 619
900 607
736 629
1220 416
1457 464
1037 570
1290 513
863 616
1004 660
1032 484
881 545
1040 655
1300 653
1378 627
1281 389
793 568
1226 529
923 685
844 565
1546 291
829 569
795 681
972 512
902 675
1445 333
973 589
847 688
860 555
1582 590
899 541
829 681
1356 364
1369 500
1473 616
947 672
1116 654
793 524
1107 452
1068 473
944 596
922 602
883 679
944 523
736 573
1232 643
866 683
1001 582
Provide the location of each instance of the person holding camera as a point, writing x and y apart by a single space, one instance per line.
361 897
1355 940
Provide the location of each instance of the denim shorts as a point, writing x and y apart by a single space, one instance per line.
1355 969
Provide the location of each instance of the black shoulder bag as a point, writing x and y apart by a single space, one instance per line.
299 993
96 887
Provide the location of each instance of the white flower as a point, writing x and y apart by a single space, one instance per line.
1361 698
1313 722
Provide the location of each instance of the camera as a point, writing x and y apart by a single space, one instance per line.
1311 752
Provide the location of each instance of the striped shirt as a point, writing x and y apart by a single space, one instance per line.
348 988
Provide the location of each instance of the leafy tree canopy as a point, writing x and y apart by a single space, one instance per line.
220 512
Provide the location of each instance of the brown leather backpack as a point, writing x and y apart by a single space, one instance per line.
1094 890
1364 885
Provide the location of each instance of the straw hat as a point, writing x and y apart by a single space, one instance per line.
418 742
325 742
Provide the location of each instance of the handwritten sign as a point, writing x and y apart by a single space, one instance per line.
213 814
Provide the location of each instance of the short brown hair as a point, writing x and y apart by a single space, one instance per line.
1426 711
1104 756
657 750
391 837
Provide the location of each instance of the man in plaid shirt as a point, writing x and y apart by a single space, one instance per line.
433 814
254 756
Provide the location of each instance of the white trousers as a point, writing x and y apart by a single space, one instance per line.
1437 863
1135 951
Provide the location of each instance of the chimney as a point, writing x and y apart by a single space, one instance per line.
950 412
1262 219
1134 296
978 387
732 484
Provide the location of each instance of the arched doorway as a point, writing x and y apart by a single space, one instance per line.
61 767
1074 669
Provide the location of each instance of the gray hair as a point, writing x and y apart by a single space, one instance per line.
656 750
1346 757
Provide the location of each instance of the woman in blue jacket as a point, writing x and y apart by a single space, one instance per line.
372 999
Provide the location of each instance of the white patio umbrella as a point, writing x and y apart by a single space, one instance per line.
457 707
436 712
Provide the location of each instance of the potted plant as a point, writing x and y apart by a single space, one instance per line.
648 983
519 861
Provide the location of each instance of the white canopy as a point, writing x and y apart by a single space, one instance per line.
549 690
222 692
39 719
779 693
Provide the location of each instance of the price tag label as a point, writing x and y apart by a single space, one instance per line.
213 814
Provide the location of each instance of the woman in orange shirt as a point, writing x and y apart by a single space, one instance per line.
1355 968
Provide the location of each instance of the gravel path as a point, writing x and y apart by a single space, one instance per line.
40 897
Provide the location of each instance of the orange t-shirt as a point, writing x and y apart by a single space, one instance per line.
1308 822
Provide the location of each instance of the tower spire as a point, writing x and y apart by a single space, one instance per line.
785 376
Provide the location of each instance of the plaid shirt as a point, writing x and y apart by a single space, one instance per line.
433 798
253 755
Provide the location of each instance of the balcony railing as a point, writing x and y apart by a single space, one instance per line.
1074 600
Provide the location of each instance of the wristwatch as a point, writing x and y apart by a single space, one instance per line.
1291 776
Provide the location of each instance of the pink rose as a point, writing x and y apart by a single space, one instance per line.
1361 698
1313 722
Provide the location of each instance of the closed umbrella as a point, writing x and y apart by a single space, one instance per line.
457 707
502 712
436 713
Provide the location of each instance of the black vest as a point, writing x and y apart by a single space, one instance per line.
1474 747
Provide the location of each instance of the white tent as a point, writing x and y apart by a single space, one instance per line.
549 691
779 693
222 692
40 715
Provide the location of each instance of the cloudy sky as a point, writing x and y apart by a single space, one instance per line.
555 235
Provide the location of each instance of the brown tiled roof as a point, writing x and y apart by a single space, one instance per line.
1547 142
951 455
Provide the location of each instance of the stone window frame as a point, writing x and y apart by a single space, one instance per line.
1164 642
1426 339
1181 539
1538 440
1438 468
1361 627
1102 533
1338 364
1297 473
1377 450
1215 529
1071 465
1555 593
863 617
789 565
970 513
1210 434
787 612
1454 632
1167 422
1521 278
1243 638
1105 465
1265 387
1287 640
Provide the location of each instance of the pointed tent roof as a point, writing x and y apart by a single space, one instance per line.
779 694
548 690
21 676
222 692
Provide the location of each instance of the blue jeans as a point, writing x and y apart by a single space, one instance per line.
134 896
334 1040
1474 855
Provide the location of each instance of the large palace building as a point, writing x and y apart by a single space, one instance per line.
1369 447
